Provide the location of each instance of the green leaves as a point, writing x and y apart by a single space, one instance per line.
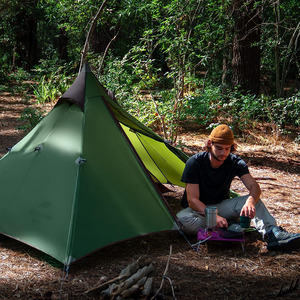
52 83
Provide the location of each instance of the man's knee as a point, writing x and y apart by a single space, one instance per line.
190 221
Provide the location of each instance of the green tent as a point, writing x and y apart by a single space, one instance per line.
86 176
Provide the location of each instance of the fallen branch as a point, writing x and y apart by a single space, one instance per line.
103 285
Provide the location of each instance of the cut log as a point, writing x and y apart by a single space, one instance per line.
106 294
131 291
125 273
134 278
133 267
148 287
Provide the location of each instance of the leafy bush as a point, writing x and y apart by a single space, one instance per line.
31 117
52 83
203 107
18 83
19 75
285 111
241 111
4 65
118 77
45 91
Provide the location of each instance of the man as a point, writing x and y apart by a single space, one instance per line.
208 176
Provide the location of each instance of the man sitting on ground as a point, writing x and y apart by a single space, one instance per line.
208 176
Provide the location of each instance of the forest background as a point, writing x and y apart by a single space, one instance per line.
168 62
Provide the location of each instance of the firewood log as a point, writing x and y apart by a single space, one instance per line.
148 287
134 278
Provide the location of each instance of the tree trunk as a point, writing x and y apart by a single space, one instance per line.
246 51
31 42
62 44
276 51
26 36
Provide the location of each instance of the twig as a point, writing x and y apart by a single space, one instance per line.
290 289
105 52
104 284
172 288
165 276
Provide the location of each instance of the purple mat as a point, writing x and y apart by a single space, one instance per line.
204 234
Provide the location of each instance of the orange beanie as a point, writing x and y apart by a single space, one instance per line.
222 134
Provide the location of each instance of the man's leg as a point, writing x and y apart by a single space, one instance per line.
191 221
228 209
278 238
231 208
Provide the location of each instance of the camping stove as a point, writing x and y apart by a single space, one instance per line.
212 233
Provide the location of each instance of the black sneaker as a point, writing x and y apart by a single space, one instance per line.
280 239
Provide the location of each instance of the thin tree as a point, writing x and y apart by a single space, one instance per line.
90 34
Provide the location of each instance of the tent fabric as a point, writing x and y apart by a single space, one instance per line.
83 178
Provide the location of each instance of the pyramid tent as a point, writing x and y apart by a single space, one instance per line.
85 176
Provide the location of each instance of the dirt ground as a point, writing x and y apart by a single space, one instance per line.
216 270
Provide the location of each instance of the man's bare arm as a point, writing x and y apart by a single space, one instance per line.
250 183
193 196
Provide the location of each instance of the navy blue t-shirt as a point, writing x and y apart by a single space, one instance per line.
214 184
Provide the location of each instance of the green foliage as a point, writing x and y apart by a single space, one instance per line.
19 75
18 83
53 81
242 111
207 106
175 44
279 43
284 111
204 106
31 116
4 65
245 110
45 91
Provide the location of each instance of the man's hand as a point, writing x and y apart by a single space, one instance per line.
221 222
248 210
250 183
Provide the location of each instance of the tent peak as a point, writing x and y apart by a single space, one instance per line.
86 68
76 92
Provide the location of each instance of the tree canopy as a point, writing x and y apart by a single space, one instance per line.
180 46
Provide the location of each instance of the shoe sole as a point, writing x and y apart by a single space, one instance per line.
293 244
